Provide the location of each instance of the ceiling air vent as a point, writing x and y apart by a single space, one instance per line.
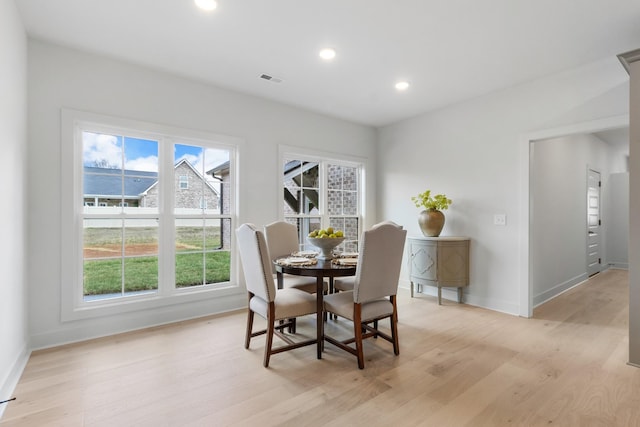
270 78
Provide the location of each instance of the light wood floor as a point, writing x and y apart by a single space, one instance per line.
458 366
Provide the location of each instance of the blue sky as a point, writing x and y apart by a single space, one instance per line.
142 154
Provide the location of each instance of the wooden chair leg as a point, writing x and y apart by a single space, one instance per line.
271 314
247 339
394 327
357 329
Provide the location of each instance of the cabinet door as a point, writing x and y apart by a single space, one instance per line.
424 260
453 263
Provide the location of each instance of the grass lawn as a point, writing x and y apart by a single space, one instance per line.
193 266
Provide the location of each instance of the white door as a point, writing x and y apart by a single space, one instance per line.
594 238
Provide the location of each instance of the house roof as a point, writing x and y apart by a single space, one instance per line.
221 169
108 182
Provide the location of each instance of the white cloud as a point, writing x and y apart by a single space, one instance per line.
101 149
149 164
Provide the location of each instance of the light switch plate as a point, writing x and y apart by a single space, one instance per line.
500 219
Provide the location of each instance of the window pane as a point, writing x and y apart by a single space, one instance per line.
310 175
141 237
350 203
102 266
334 177
349 178
305 226
106 184
351 234
334 202
199 177
200 256
292 190
102 151
106 271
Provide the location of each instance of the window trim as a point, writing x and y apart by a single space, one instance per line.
287 151
73 306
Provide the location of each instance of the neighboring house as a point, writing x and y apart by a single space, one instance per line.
116 187
294 172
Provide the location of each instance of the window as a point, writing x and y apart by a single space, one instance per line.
320 193
155 212
184 182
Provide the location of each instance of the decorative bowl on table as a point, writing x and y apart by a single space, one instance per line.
326 245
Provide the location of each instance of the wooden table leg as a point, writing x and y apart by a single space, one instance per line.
320 315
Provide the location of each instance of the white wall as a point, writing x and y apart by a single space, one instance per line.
559 210
634 208
60 77
472 151
618 221
13 134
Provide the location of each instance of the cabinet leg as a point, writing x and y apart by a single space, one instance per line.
439 295
411 289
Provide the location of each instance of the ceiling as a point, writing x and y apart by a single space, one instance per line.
448 50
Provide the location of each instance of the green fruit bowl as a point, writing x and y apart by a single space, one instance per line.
326 245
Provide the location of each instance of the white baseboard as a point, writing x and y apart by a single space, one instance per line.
9 384
451 294
559 289
619 265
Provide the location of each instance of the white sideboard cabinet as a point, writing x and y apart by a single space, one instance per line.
439 261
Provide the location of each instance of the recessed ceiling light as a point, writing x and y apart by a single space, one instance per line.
206 4
327 54
401 86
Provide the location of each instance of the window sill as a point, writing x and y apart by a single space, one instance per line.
118 306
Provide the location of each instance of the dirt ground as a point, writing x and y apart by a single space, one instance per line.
109 251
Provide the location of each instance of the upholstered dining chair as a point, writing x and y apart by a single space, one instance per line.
374 291
346 283
282 240
272 304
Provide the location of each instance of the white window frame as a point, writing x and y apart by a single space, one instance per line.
73 305
300 153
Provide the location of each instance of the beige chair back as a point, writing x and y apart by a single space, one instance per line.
282 240
255 262
378 271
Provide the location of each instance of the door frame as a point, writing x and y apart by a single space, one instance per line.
591 170
527 143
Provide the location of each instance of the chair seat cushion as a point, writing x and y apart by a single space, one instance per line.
342 305
344 283
289 303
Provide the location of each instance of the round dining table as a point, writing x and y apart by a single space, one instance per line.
324 268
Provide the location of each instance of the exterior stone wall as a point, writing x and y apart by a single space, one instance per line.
192 197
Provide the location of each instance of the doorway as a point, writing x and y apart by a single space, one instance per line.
528 202
594 236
